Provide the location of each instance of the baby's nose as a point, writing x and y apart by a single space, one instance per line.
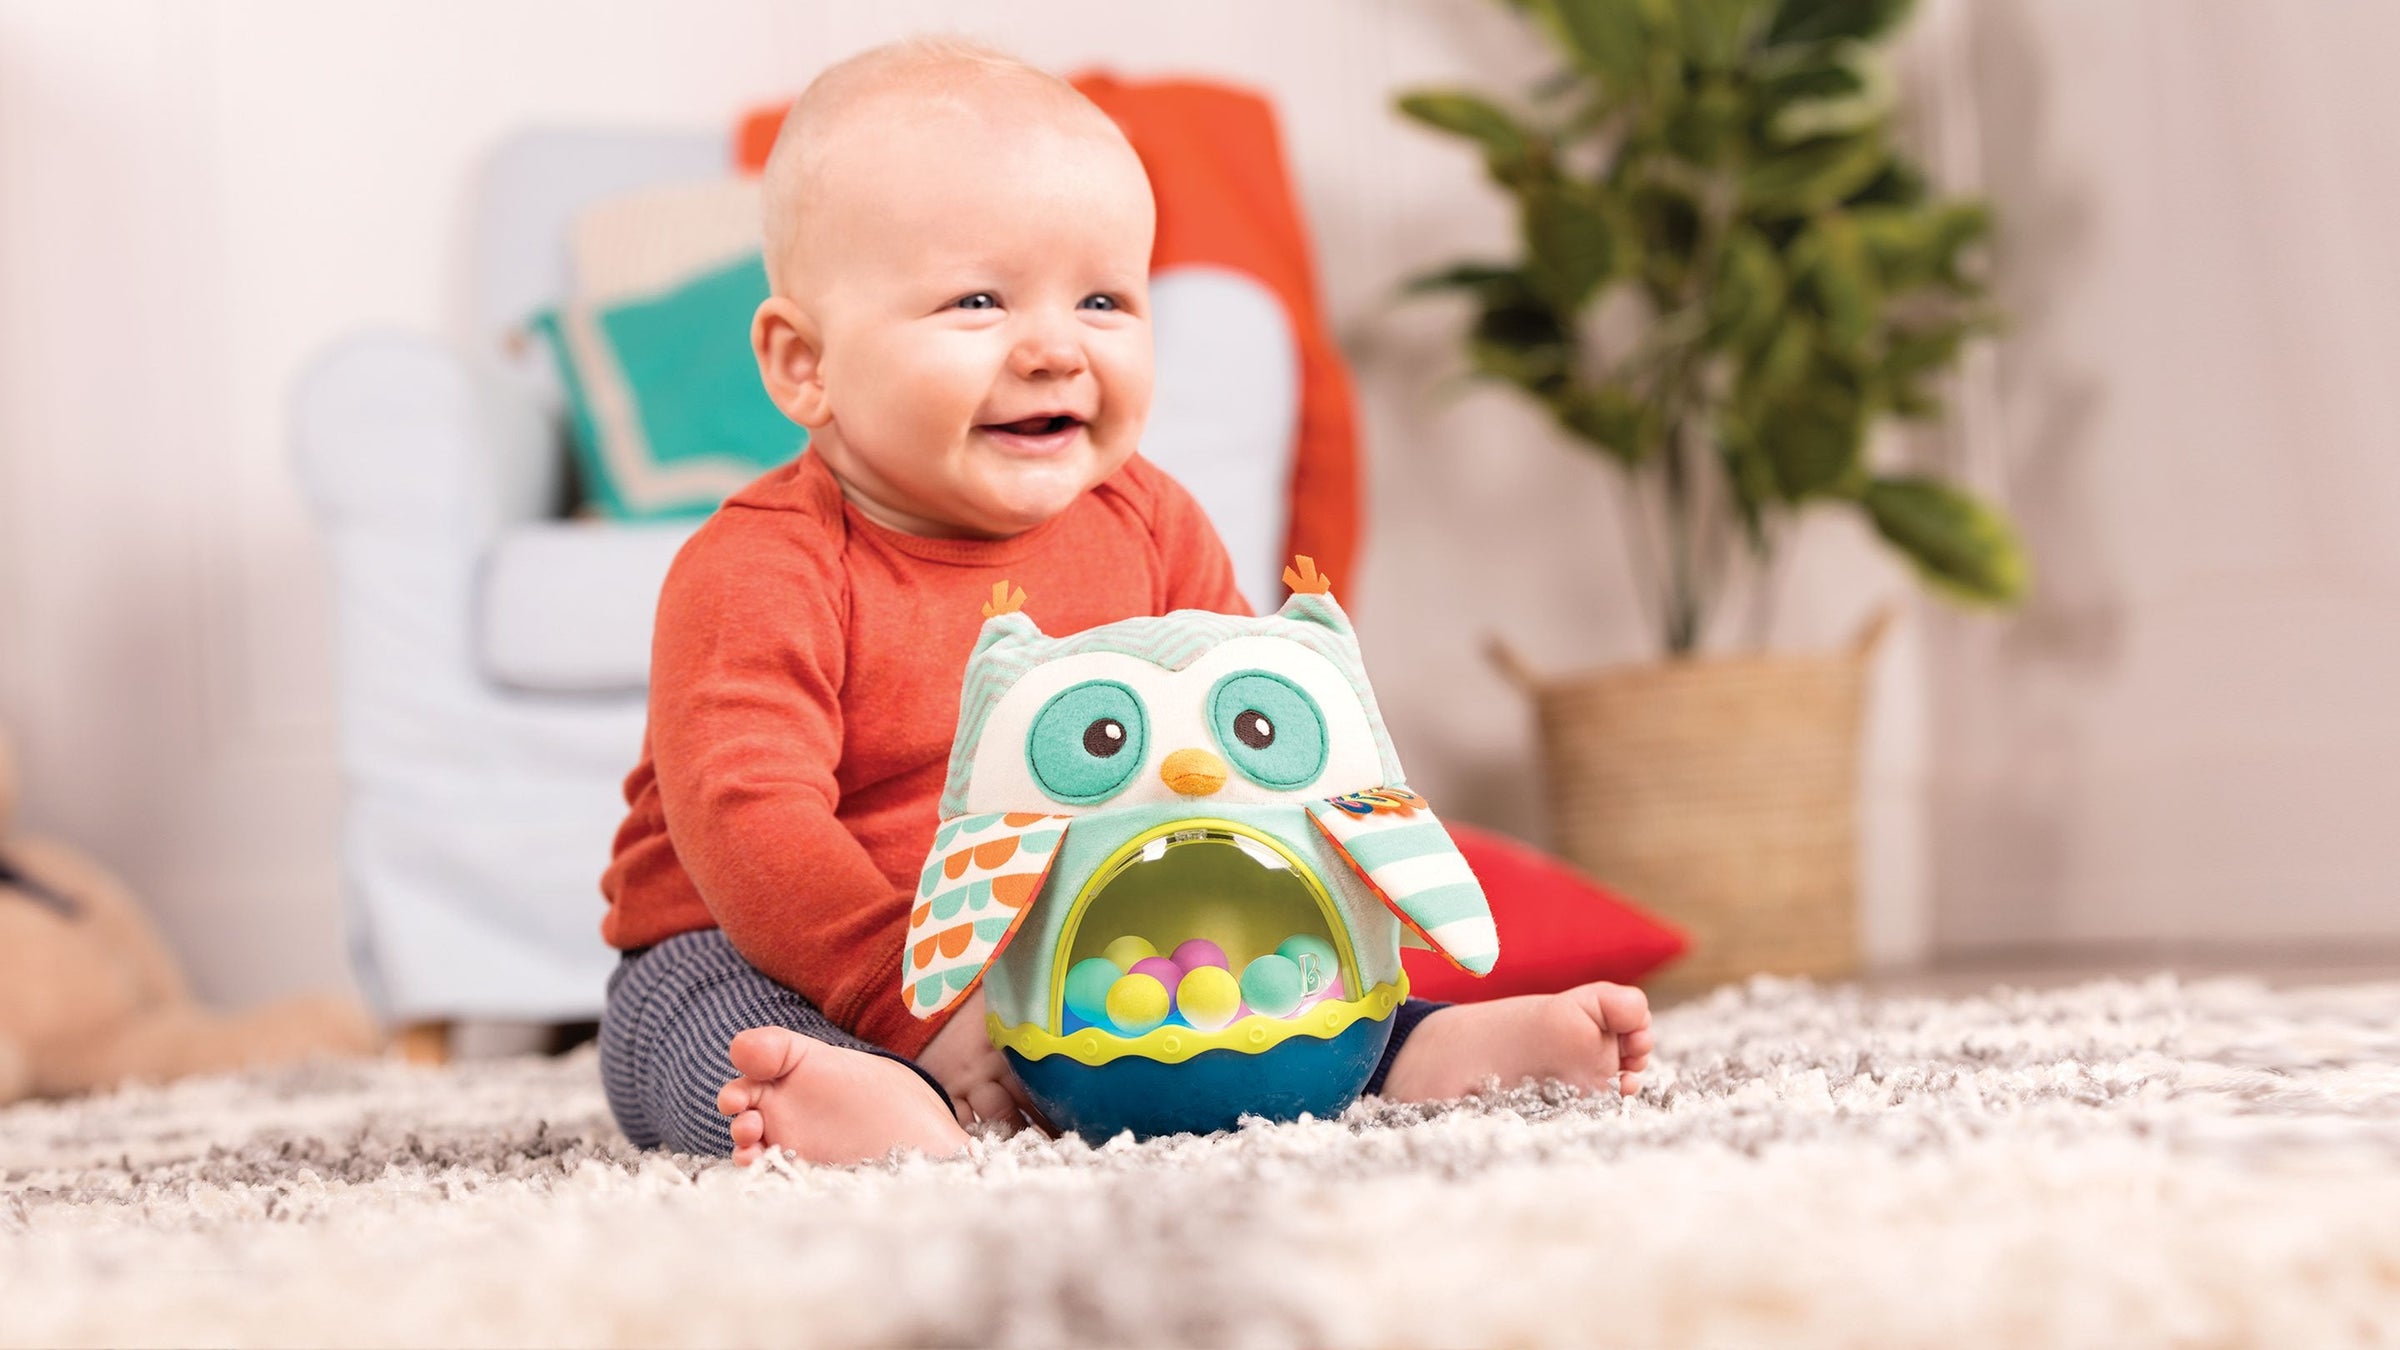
1047 350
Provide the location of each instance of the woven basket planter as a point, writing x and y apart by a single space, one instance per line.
1721 793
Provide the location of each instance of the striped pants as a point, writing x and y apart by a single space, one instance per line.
673 1009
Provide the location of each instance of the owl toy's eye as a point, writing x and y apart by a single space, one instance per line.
1103 738
1269 728
1086 741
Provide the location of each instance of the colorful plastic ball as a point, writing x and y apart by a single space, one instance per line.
1127 950
1137 1004
1087 988
1209 997
1315 956
1193 953
1159 968
1271 985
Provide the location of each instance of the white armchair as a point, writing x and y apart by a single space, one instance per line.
492 657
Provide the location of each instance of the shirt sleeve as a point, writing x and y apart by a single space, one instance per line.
746 730
1198 571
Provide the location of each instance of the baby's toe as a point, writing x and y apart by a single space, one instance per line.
1629 1083
990 1101
767 1054
748 1129
1634 1047
739 1095
1623 1008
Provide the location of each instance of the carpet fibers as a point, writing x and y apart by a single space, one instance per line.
2157 1162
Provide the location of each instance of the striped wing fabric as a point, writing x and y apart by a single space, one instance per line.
978 885
1390 837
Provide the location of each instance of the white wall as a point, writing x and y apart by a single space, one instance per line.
195 196
2193 735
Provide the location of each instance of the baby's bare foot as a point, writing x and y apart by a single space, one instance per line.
1591 1036
828 1103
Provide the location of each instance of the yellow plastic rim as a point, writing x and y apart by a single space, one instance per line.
1252 1035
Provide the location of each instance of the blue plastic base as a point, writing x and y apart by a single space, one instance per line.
1210 1091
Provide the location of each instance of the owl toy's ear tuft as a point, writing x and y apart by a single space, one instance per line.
1304 579
1315 607
1005 619
1007 598
1312 596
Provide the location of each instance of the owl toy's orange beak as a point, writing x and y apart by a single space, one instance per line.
1193 773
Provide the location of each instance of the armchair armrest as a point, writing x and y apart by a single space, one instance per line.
395 434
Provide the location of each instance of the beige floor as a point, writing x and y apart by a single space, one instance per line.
2283 967
2278 967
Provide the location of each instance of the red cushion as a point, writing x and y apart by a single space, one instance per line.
1558 928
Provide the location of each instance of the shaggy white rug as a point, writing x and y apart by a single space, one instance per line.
2116 1163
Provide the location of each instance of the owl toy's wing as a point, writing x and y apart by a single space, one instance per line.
1389 837
979 883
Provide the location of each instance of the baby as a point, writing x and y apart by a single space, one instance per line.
959 248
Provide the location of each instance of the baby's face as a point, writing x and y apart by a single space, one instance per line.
982 312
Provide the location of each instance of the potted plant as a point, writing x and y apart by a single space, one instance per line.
1728 275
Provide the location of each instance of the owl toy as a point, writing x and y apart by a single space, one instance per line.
1180 855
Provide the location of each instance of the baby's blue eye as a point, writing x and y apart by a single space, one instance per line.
1101 302
1086 741
1269 727
979 300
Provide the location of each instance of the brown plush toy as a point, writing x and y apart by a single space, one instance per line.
90 997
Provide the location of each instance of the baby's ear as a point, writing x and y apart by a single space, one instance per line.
789 351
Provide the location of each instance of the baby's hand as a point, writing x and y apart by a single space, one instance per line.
962 1058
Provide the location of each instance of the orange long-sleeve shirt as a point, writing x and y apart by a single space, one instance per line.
804 685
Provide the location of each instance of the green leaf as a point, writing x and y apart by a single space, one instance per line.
1750 290
1899 242
1519 339
1960 545
1507 146
1611 417
1813 432
1820 20
1913 354
1571 244
1851 92
1707 127
1465 276
1610 38
1667 222
1834 262
1809 178
1959 225
1899 184
1718 33
1917 351
1820 70
1750 472
1913 247
1784 361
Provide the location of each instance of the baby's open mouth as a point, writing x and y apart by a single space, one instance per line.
1037 426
